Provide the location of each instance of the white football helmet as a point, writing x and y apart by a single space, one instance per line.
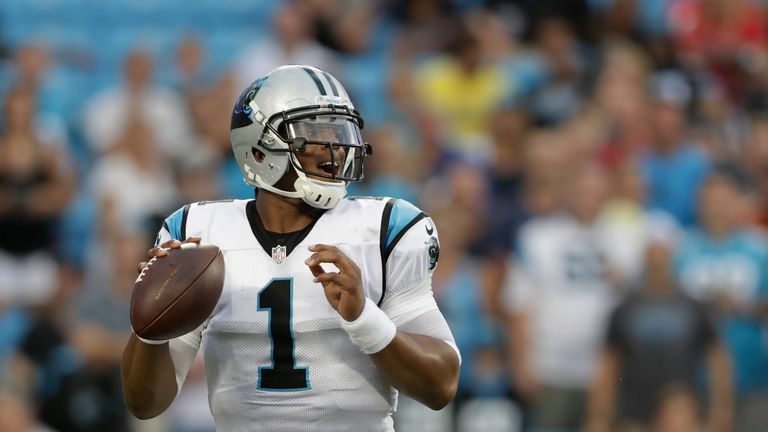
287 112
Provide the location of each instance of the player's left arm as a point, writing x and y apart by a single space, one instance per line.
407 338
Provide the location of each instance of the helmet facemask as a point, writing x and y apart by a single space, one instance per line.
329 141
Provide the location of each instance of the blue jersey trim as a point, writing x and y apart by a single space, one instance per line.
402 215
397 218
176 222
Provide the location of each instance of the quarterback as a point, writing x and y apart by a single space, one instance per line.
327 308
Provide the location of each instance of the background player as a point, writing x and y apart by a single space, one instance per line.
327 302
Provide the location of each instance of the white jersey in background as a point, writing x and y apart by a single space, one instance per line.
559 280
275 355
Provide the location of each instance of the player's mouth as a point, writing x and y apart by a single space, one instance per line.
329 168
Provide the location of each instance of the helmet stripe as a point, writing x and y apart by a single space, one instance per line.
317 81
328 77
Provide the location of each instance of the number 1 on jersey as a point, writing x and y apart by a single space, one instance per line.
283 375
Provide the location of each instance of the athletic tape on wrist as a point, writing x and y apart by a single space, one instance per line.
372 331
150 341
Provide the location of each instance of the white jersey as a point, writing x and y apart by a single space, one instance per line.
276 357
560 281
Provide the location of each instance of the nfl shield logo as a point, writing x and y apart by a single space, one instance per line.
278 254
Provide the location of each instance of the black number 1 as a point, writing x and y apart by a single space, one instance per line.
283 375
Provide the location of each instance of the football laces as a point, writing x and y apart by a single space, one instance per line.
144 270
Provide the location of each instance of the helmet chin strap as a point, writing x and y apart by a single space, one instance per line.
290 194
316 193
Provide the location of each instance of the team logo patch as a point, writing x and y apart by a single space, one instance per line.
278 254
433 249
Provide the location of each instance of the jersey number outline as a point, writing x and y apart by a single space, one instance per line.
277 298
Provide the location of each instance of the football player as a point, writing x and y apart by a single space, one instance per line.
327 308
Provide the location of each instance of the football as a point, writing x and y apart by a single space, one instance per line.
175 293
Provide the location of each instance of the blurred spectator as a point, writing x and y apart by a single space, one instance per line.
678 412
509 128
568 63
559 295
484 380
101 325
507 210
575 12
621 104
718 33
455 283
426 27
291 43
489 415
134 162
18 416
462 90
523 70
108 114
656 340
391 172
73 393
625 217
35 188
720 126
190 65
32 62
346 27
209 172
724 264
755 160
675 167
197 180
545 166
34 66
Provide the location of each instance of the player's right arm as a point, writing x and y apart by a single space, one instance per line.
152 374
149 378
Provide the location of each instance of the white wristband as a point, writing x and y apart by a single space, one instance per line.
372 331
150 341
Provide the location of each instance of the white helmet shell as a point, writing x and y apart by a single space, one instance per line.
258 114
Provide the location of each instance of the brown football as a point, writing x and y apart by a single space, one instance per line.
174 294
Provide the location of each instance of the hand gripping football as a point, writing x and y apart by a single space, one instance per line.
175 293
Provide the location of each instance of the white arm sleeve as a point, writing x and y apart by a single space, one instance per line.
432 324
408 299
183 351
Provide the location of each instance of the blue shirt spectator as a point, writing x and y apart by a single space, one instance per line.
724 263
673 180
731 271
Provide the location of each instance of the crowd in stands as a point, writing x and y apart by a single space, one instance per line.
598 171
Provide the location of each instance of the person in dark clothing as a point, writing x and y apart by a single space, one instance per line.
35 189
656 340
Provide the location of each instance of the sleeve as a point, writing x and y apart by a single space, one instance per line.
174 227
410 249
183 351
